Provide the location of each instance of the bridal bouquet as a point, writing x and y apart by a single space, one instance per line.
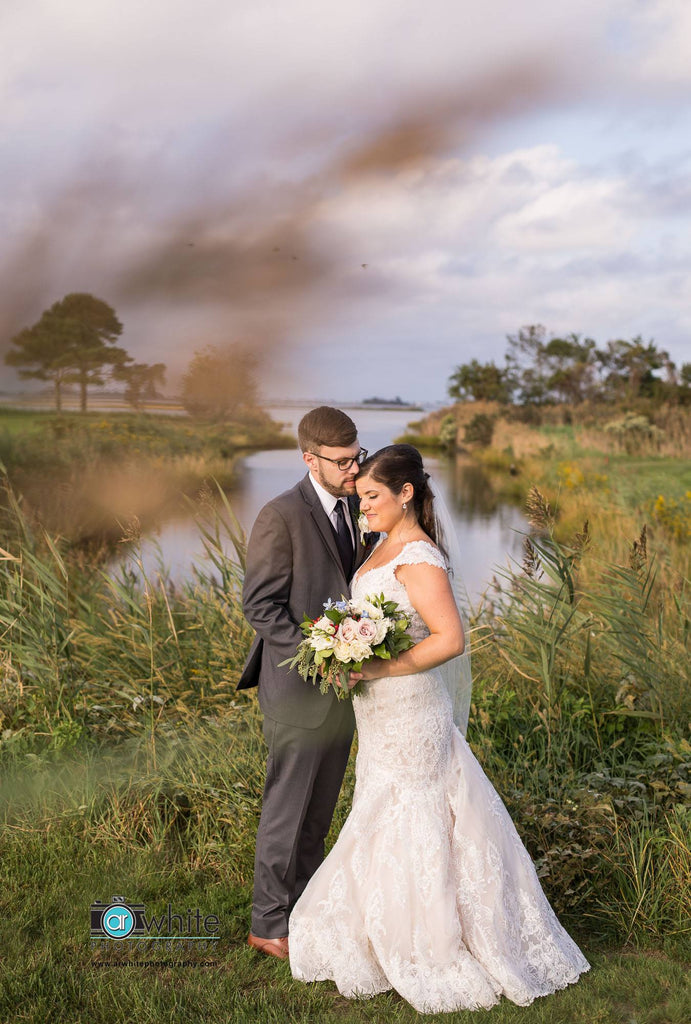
348 634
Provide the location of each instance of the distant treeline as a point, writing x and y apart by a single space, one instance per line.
539 370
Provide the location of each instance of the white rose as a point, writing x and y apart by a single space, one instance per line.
360 651
382 627
342 650
325 624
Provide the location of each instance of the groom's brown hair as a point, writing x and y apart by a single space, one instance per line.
328 426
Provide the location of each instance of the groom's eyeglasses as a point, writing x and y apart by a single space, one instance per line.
344 464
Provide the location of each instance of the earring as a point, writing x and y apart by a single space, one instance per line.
404 506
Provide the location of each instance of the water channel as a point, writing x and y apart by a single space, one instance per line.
488 530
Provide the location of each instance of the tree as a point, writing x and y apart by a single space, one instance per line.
627 368
220 384
554 370
73 341
527 363
480 382
572 368
94 329
42 352
141 381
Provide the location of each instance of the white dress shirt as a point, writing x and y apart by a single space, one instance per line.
329 502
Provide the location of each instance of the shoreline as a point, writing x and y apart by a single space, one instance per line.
115 403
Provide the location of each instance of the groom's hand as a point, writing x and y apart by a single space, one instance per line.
334 677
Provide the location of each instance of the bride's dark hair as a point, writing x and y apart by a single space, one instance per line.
400 464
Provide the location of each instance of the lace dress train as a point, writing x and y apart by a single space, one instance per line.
428 888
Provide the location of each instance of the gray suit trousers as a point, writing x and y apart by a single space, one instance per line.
295 820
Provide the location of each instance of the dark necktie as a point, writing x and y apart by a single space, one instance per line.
343 539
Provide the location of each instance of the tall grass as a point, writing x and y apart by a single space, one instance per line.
121 727
583 696
94 657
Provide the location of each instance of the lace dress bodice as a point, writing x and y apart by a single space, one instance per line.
383 580
403 722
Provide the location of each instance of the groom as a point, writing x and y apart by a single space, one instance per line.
303 550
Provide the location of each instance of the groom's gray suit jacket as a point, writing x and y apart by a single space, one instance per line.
293 567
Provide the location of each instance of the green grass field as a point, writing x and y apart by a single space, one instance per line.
49 973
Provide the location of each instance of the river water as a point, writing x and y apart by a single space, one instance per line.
488 531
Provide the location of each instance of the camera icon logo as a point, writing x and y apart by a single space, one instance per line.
117 920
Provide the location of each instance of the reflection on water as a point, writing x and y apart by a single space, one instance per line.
470 488
489 529
486 526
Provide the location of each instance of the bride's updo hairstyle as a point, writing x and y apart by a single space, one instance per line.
400 464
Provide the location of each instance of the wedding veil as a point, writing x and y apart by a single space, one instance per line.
456 673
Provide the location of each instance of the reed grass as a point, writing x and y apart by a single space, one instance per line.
126 752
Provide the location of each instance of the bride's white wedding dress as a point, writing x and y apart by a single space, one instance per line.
428 889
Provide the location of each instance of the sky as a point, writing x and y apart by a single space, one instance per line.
367 194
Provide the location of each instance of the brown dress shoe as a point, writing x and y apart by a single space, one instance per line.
272 947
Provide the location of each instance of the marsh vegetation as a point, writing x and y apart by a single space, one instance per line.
126 750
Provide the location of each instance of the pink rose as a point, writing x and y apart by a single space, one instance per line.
366 630
348 629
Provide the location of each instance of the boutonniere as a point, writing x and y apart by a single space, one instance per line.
363 527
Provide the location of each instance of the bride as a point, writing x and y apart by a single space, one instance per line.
428 889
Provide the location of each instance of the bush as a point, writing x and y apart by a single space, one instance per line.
220 384
634 433
480 430
448 432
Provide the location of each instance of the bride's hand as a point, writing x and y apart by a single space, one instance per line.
370 670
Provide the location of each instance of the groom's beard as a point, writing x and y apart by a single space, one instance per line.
344 491
348 489
342 488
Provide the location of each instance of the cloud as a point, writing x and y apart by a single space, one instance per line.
245 253
466 250
216 169
662 32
